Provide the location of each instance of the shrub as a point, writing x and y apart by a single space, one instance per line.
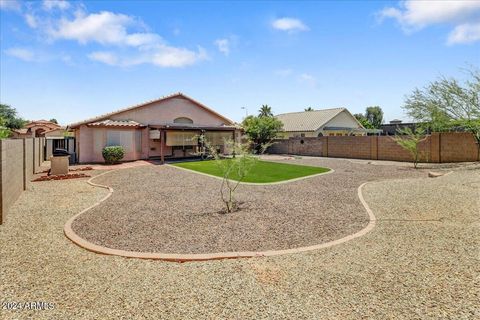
113 154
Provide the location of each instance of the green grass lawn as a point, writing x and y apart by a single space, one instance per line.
262 172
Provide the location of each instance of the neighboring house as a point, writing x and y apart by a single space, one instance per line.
164 128
34 129
392 128
317 123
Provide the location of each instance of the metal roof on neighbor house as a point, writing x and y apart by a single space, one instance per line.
307 120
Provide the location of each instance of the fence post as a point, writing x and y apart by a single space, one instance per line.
24 164
33 155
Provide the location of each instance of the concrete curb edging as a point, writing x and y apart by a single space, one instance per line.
330 170
172 257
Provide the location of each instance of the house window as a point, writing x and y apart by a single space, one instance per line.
331 134
183 120
302 135
120 138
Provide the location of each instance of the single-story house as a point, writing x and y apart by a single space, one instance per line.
36 128
168 127
317 123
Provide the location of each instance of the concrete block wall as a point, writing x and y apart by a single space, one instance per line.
458 147
19 160
438 147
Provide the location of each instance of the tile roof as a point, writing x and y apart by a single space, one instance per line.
307 120
116 123
174 95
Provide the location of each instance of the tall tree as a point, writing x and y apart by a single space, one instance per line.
374 115
4 131
447 104
9 115
363 120
265 111
309 109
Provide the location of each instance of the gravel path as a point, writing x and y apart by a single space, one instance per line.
405 268
167 210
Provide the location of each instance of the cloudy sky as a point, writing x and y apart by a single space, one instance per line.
74 60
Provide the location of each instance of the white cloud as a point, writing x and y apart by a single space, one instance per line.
55 4
31 20
223 45
104 57
20 53
104 27
308 79
464 33
415 15
10 5
167 56
160 55
289 24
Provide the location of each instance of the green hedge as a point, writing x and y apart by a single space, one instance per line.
113 154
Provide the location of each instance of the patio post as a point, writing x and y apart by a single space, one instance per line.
162 141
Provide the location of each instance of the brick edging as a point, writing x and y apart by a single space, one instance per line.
172 257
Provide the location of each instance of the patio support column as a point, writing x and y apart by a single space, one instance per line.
162 141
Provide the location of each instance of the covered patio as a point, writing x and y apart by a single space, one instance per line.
173 141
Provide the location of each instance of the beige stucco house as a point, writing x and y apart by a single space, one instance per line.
160 129
317 123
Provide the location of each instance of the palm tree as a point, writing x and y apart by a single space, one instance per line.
265 111
309 109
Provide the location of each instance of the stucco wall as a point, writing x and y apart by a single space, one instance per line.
166 111
19 159
93 140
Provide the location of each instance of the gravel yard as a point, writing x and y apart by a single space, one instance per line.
168 210
421 261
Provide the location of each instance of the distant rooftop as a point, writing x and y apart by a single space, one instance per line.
307 120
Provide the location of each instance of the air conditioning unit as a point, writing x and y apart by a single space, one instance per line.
154 134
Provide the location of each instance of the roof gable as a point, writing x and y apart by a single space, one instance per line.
307 120
149 103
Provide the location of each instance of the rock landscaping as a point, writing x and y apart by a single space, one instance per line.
167 210
419 262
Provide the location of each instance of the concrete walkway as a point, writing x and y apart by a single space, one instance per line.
420 262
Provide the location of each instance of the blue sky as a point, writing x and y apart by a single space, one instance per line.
74 60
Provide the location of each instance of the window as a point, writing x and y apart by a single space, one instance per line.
302 135
183 120
120 138
138 141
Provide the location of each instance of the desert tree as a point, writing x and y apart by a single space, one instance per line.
233 169
410 140
448 104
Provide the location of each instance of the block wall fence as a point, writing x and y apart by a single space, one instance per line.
19 160
436 148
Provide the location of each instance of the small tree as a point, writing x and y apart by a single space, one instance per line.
54 120
261 130
309 109
113 154
234 169
410 141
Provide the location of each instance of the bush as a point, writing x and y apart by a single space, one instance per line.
113 154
